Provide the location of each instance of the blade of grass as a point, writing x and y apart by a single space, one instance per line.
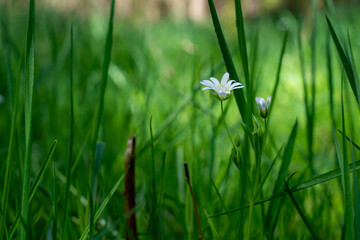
100 110
275 205
239 95
330 77
309 183
103 205
35 185
263 180
345 62
356 194
71 134
55 208
349 208
300 211
273 95
350 141
11 148
29 86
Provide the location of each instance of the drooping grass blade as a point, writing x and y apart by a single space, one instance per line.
301 212
309 183
345 62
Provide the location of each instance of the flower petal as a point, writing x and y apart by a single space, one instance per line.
215 81
207 83
225 78
260 102
205 88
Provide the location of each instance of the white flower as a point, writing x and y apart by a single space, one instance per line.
222 88
263 106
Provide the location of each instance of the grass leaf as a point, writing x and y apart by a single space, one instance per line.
238 93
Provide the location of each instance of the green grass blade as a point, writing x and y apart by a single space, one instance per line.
329 67
356 194
71 134
349 208
273 95
322 178
104 76
345 62
35 185
301 212
275 205
55 207
29 86
239 94
41 173
11 148
104 204
263 180
350 141
242 41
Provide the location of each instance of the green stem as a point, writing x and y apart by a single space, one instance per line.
227 130
251 208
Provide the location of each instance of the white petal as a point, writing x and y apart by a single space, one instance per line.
205 88
215 81
260 102
207 83
236 84
268 101
237 87
224 78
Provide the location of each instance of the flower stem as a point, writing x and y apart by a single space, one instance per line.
227 130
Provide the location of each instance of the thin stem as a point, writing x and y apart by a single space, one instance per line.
227 130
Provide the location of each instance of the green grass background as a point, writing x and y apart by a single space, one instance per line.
155 70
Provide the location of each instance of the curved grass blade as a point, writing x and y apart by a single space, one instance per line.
103 205
310 183
345 62
239 95
29 86
275 205
350 140
300 211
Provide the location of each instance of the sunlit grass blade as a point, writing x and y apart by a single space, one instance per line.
301 212
322 178
29 86
345 62
275 205
239 95
356 194
103 205
277 80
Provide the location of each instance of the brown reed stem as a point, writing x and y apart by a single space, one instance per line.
130 194
187 175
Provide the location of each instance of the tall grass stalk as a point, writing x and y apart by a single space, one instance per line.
29 85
